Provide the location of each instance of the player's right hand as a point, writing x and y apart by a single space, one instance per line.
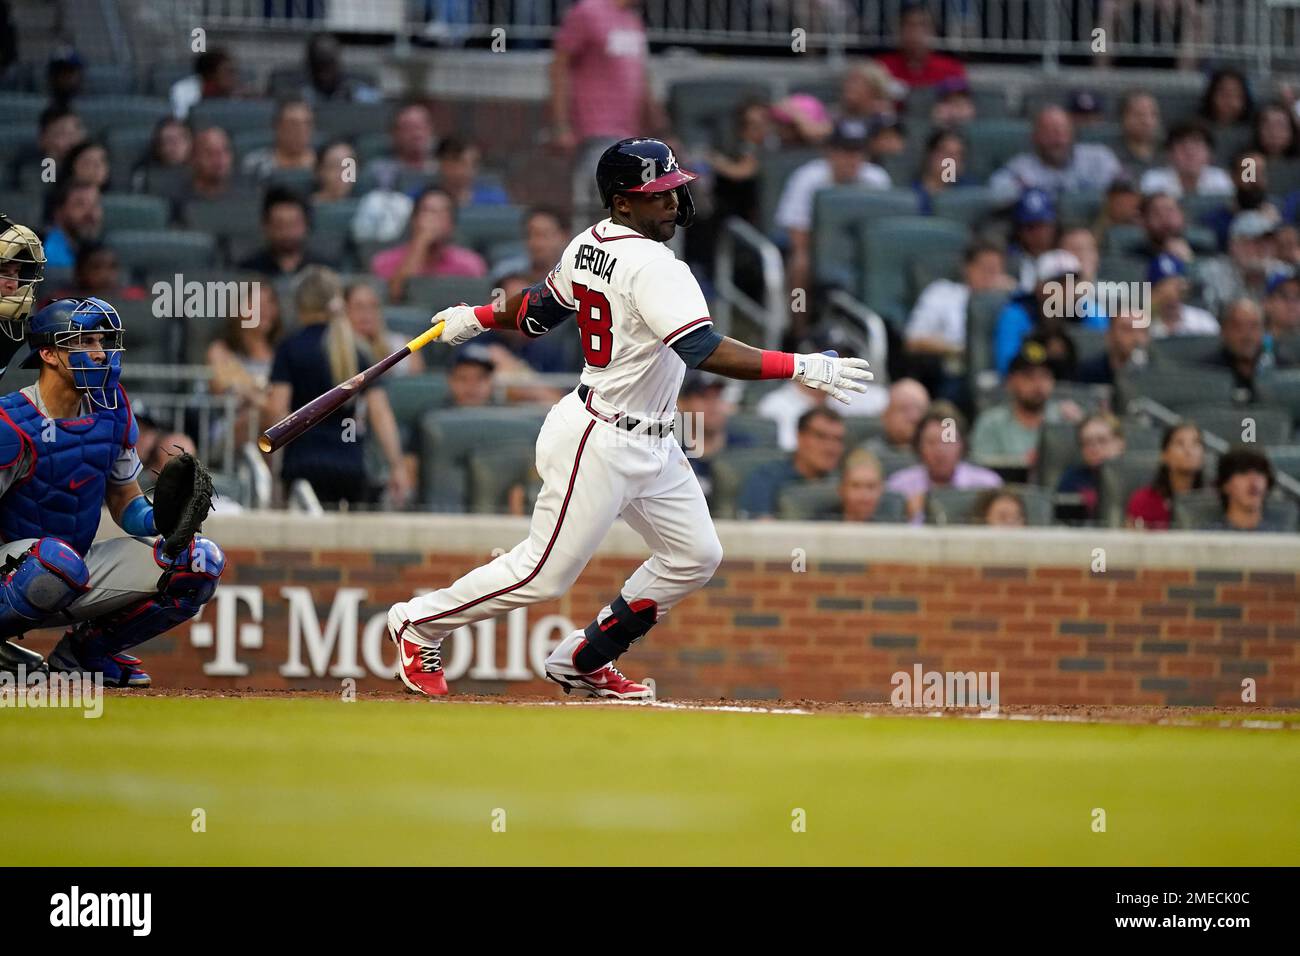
832 374
460 327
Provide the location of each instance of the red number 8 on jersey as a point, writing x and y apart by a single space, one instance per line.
596 323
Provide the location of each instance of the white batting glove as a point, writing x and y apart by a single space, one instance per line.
830 373
461 326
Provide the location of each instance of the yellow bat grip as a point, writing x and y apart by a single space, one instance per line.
424 338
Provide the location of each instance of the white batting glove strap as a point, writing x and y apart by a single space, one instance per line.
461 325
834 375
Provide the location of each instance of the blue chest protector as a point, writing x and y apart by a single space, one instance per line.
64 493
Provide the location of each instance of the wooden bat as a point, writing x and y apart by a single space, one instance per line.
311 414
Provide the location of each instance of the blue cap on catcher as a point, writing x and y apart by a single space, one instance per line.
69 324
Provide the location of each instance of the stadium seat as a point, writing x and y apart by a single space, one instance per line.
859 429
954 505
141 250
134 212
1184 349
808 500
438 292
1197 510
1282 387
21 109
128 148
981 319
1272 425
348 121
1058 449
892 461
494 471
1118 268
1285 459
103 114
226 219
1175 389
148 338
759 430
413 395
890 245
968 204
1080 208
163 75
1230 141
479 226
1106 133
702 109
730 471
1088 343
1283 176
22 207
838 212
409 320
1125 475
302 182
233 115
991 142
774 169
449 436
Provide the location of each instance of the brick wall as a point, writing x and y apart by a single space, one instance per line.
1027 605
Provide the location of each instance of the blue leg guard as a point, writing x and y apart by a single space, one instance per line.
39 583
188 582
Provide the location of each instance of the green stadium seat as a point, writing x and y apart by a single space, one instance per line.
348 121
478 227
702 109
892 461
449 436
147 337
163 75
859 429
224 218
1231 141
968 204
134 212
1124 239
1125 475
1058 449
103 114
1271 424
731 470
1088 343
774 169
142 250
22 207
1080 208
409 320
301 182
128 147
413 395
1283 176
22 109
889 247
838 214
1281 387
1175 389
233 115
1106 133
438 292
759 430
1285 459
981 319
494 471
945 506
1198 510
108 79
991 142
808 500
1184 349
1120 268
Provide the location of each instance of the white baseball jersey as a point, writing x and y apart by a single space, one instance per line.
633 300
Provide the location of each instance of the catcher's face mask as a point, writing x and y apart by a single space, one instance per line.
94 350
22 266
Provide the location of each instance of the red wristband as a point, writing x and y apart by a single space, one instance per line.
486 317
776 365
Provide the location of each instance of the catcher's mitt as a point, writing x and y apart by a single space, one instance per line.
182 499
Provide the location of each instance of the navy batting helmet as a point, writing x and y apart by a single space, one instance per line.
644 166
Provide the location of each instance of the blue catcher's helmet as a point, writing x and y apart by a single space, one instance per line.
73 325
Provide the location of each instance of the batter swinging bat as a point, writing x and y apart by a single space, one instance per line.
311 414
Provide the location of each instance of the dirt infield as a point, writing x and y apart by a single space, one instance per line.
1247 717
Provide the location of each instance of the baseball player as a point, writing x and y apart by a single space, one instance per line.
22 268
67 449
607 450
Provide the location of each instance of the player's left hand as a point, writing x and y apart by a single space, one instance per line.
461 325
834 375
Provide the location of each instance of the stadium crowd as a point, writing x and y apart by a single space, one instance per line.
1013 389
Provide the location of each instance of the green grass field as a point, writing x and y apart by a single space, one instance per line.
384 782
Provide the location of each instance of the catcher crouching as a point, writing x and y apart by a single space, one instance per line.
67 448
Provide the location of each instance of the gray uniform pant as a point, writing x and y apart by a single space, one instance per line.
122 572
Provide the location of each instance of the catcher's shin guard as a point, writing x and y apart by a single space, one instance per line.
38 583
188 582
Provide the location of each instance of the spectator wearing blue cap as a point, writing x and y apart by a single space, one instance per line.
64 74
1059 299
1057 164
1036 231
1282 304
1245 269
1170 313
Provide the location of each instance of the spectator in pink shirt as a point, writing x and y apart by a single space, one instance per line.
940 444
600 92
428 251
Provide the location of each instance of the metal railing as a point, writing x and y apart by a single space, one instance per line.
865 330
193 410
1167 416
769 317
1255 33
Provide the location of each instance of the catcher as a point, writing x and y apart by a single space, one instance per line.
22 267
67 448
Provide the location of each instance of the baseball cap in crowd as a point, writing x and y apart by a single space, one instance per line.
1056 263
1083 103
1252 224
66 55
1165 266
1032 355
849 134
1280 278
1122 183
952 86
1035 206
697 382
474 354
803 106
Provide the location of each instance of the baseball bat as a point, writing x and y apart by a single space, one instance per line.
311 414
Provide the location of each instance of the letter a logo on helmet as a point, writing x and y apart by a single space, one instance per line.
644 166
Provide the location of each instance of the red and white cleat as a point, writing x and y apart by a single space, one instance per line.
606 682
419 666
